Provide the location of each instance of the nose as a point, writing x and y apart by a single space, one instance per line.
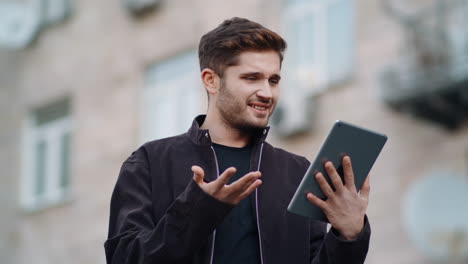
265 90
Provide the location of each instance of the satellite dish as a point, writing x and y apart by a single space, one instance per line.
435 216
19 24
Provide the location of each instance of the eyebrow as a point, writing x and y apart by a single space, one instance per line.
276 76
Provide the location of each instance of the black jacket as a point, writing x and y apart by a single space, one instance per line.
158 214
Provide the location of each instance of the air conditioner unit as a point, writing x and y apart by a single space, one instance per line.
294 114
21 22
140 6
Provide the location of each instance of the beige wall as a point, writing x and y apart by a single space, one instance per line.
98 58
9 150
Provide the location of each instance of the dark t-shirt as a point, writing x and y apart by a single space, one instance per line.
237 237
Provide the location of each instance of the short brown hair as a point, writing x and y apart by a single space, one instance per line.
220 47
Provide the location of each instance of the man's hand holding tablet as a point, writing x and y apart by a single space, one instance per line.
345 208
329 189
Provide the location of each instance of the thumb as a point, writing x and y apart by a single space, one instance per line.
198 174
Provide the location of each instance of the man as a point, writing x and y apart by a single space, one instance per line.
219 193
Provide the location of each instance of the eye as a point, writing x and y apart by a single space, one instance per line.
274 81
250 78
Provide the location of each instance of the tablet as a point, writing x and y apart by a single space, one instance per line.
361 145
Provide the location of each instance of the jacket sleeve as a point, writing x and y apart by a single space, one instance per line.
136 236
331 248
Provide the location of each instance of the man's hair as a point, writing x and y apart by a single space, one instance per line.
220 48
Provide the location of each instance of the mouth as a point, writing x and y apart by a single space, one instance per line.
259 107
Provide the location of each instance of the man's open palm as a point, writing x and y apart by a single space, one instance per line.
232 193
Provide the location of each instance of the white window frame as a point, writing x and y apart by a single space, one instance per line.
313 78
303 80
50 133
185 86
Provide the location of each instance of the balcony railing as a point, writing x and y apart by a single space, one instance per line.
431 79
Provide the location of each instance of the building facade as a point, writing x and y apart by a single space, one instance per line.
99 78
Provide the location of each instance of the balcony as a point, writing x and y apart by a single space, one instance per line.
430 79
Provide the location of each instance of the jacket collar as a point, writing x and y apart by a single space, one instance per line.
202 136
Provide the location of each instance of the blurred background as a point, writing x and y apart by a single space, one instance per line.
84 83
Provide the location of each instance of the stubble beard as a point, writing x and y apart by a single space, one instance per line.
230 109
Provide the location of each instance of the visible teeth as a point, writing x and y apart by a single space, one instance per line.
259 107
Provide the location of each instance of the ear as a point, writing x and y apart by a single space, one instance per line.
211 81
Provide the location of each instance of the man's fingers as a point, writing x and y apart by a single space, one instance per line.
348 173
245 181
198 174
334 176
317 201
254 185
225 176
239 189
365 189
326 189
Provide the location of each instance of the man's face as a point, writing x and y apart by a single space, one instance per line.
249 91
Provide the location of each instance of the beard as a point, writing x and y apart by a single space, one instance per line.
233 112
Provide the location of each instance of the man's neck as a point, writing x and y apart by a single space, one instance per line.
223 134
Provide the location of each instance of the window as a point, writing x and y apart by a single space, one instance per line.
171 97
140 6
320 37
22 21
46 178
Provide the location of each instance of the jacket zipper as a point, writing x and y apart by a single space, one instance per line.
214 232
256 208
